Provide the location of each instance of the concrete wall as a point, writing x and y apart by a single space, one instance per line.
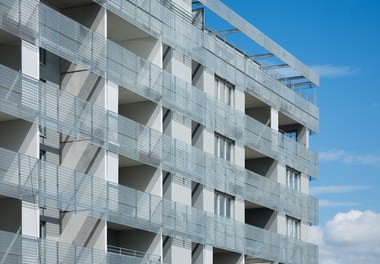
50 72
260 114
266 167
239 98
10 55
52 219
304 183
204 254
82 230
304 229
261 217
143 178
228 258
12 208
82 157
177 251
20 136
281 224
77 154
94 17
146 113
30 146
141 241
148 48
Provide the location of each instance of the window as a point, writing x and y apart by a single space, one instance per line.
42 131
43 155
292 179
224 147
293 227
224 91
224 204
42 229
42 56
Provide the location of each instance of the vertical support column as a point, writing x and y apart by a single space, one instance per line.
203 138
178 188
274 118
30 215
112 159
280 169
240 161
142 177
80 155
304 137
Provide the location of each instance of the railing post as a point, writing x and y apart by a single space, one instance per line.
75 191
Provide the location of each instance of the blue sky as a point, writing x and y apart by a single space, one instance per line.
341 41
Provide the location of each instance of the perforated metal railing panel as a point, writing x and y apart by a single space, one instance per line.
161 22
70 115
76 43
55 186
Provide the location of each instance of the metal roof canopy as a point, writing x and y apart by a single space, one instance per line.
256 35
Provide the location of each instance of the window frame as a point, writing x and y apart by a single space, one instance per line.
227 201
293 227
228 94
224 147
293 179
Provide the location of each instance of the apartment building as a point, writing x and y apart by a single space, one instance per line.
132 133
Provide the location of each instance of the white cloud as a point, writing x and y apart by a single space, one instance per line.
349 157
329 70
351 237
334 189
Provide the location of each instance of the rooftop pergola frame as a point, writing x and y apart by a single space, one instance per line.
277 56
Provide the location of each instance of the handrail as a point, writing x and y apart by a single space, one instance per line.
28 249
132 252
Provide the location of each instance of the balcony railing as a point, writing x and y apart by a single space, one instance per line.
70 115
76 43
16 248
27 178
150 258
162 23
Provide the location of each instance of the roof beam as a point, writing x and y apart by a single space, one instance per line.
261 56
224 32
278 66
293 78
294 85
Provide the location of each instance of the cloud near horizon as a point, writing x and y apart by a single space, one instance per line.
351 237
332 71
349 157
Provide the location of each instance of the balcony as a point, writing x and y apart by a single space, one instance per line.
61 188
72 116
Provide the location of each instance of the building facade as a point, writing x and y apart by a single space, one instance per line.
132 133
